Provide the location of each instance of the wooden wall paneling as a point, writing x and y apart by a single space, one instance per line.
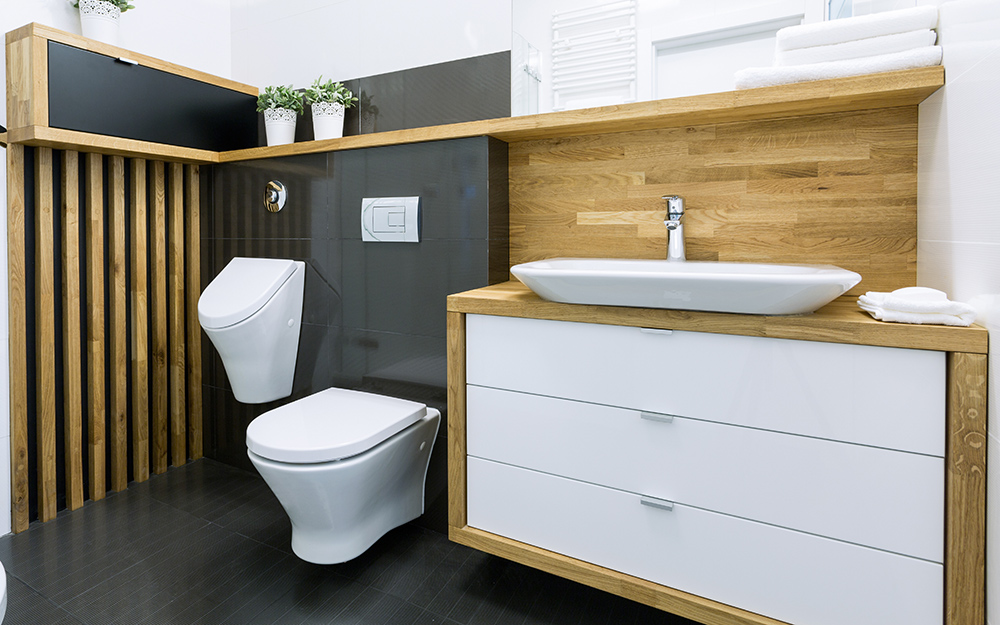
45 336
72 356
177 312
192 201
17 337
836 188
95 325
965 490
140 322
117 325
159 403
456 422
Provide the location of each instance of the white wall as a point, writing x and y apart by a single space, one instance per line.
192 33
958 218
293 42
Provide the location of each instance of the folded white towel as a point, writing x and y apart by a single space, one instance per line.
917 304
861 27
752 77
873 46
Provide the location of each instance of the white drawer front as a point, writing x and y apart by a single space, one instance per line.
881 498
780 573
879 396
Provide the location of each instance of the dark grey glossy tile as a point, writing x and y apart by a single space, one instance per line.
25 605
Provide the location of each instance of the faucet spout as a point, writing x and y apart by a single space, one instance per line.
675 227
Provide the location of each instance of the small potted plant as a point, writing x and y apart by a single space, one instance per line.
328 101
99 19
281 106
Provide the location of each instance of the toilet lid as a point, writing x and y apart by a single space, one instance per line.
241 289
329 425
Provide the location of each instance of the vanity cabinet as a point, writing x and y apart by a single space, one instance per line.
726 477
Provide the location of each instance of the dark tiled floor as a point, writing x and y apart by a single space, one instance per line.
207 543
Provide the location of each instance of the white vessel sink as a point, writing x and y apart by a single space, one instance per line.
753 288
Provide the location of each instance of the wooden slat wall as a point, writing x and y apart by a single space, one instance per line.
839 188
138 268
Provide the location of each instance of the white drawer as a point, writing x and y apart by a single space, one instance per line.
880 396
780 573
887 499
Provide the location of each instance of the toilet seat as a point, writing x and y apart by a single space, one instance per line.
241 289
330 425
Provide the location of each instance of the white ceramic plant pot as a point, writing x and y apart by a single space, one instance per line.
328 120
99 20
279 126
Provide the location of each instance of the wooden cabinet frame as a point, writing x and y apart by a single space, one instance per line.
840 322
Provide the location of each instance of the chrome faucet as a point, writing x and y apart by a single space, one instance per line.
675 227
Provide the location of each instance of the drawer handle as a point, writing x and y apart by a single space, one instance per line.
652 416
653 502
656 331
122 59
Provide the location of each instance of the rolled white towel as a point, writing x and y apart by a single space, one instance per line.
873 46
753 77
917 304
861 27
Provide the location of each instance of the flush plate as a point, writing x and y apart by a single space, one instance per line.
390 219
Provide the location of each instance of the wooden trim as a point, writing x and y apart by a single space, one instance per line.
44 32
192 190
965 490
664 598
58 138
95 325
159 404
840 321
20 85
891 89
45 336
456 421
71 332
175 271
118 325
40 82
140 324
17 337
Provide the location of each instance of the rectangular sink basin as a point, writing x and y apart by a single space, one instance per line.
752 288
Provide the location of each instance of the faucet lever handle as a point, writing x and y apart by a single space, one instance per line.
675 206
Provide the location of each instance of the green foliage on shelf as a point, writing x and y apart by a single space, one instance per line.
330 91
280 97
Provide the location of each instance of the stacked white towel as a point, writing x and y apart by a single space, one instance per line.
881 42
917 304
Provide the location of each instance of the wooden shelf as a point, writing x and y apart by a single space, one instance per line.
888 90
841 321
57 138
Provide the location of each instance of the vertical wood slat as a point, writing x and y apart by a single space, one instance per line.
117 329
72 355
457 518
45 336
17 336
192 200
175 270
158 331
140 325
965 490
95 324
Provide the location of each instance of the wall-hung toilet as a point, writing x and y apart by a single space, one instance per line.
346 466
252 312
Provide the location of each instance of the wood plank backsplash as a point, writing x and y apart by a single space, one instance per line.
100 248
837 188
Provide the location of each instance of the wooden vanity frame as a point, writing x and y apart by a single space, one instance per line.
839 322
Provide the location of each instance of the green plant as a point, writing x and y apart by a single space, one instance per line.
123 5
330 91
280 97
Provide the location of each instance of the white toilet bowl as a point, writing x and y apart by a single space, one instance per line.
346 466
252 312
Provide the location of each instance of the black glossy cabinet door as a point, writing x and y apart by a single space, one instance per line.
94 93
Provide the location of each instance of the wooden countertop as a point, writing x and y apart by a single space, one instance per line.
841 321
